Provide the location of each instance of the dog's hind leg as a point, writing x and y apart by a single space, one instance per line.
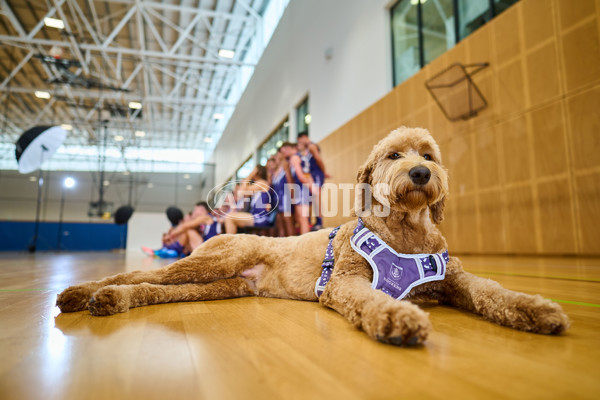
120 298
502 306
224 256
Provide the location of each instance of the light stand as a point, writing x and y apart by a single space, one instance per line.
33 246
68 183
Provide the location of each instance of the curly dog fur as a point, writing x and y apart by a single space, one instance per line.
230 266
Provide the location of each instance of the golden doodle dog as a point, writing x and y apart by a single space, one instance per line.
392 251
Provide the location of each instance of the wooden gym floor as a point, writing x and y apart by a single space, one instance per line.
257 348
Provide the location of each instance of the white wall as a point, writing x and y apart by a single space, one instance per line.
294 65
146 229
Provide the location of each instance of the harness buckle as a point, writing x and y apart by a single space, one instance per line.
432 262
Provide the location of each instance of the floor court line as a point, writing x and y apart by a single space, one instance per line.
564 278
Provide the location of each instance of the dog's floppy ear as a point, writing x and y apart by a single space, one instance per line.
437 210
363 177
364 173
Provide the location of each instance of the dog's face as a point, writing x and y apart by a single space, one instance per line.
405 173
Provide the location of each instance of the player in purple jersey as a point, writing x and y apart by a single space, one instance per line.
301 195
280 177
172 245
199 228
260 213
314 166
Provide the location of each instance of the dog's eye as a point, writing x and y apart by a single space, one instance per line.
395 156
428 157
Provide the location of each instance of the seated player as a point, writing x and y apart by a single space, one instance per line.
259 215
199 228
172 246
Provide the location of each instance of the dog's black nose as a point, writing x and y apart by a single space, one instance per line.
420 175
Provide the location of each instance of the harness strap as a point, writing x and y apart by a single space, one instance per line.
327 265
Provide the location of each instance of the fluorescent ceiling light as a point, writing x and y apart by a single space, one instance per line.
140 133
226 53
54 23
119 138
135 105
218 116
40 94
67 127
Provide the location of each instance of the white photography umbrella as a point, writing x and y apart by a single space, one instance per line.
37 145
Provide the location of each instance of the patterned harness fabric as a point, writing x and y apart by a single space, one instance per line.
327 265
394 273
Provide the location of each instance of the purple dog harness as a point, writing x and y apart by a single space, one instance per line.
394 274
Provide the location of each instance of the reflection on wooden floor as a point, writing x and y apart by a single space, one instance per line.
256 348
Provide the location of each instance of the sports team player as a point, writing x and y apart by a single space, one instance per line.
313 165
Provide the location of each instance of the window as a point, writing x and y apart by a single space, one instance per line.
303 117
422 30
438 28
405 40
500 6
472 14
245 169
270 146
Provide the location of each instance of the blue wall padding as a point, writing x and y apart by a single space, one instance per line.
17 236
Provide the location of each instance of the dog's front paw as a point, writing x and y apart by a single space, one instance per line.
397 322
109 300
74 298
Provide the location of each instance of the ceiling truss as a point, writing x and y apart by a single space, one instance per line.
164 55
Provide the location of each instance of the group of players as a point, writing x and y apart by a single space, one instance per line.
278 199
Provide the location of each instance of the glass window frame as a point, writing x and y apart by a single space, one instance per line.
302 110
279 134
494 10
245 166
396 80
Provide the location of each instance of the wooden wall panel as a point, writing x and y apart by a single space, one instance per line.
588 193
524 173
581 54
555 217
549 141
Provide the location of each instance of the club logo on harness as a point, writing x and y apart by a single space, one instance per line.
396 271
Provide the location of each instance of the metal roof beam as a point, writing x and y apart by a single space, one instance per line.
119 26
192 10
16 70
122 50
40 24
95 94
7 10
